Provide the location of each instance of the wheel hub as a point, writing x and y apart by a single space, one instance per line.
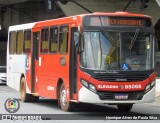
63 98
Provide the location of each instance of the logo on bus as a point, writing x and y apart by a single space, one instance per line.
12 105
121 87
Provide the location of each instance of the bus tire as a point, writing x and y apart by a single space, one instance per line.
125 107
35 98
24 96
65 105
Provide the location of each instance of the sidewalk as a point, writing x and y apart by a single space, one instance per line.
157 93
157 101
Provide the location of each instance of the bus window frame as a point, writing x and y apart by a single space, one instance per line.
68 37
24 41
41 40
17 41
14 43
58 29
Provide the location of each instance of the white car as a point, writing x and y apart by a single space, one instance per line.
3 75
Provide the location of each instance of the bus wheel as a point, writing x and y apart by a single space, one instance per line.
125 107
65 105
35 98
24 96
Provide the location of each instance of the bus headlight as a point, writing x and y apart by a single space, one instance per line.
150 86
153 83
92 88
88 85
84 83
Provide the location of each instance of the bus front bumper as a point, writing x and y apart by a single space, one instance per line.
88 96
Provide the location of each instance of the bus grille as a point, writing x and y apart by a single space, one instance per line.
111 96
120 77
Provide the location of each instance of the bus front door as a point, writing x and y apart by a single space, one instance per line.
35 62
73 61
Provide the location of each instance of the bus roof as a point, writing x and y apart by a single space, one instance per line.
75 18
71 18
21 27
118 13
121 13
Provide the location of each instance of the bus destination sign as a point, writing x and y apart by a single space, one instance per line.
117 21
125 22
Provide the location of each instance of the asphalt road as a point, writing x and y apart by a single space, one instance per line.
83 111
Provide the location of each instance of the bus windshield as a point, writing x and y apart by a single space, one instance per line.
117 50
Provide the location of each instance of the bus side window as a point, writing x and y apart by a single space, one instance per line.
53 48
63 42
12 42
27 41
19 42
44 40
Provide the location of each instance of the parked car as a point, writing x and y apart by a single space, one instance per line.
3 76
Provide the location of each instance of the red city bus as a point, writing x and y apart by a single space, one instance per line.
91 58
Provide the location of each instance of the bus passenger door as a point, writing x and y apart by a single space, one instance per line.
35 62
73 61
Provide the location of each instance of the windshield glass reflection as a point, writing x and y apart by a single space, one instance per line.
116 51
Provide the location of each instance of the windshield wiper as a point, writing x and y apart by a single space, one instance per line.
134 39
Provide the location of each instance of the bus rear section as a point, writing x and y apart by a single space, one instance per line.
18 49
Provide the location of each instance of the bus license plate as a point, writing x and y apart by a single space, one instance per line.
121 96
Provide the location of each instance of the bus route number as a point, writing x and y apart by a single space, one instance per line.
133 86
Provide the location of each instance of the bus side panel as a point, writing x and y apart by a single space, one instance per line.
45 75
15 71
49 73
28 73
10 71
